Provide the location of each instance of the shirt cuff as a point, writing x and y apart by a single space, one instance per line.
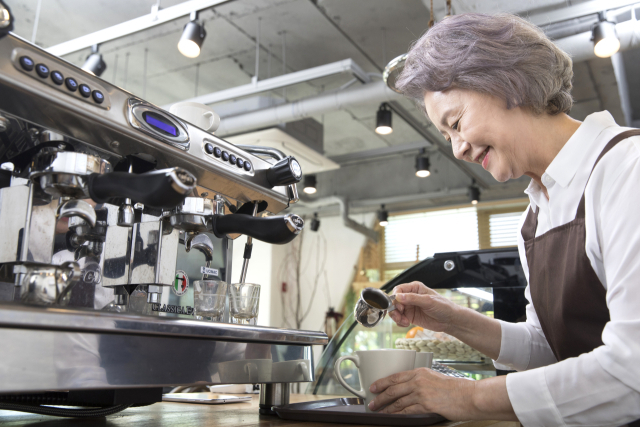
515 347
531 399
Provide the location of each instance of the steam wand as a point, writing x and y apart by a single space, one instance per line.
247 249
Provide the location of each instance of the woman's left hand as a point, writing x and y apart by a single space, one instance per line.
423 391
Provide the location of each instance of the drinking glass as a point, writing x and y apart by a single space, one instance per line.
244 300
209 298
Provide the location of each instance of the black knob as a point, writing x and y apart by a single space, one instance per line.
286 171
208 148
162 189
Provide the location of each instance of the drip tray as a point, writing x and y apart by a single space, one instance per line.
350 410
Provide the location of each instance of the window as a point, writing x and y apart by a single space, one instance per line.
417 236
503 229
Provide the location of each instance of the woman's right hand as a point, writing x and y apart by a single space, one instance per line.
419 305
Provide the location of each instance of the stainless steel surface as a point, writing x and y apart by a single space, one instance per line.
126 215
77 208
14 202
45 285
275 394
74 320
136 111
372 306
245 262
5 18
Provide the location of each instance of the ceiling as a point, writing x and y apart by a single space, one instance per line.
297 35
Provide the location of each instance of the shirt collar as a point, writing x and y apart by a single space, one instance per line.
566 163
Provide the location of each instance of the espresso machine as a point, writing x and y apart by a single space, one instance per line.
110 208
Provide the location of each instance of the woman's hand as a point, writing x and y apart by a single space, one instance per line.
423 391
418 305
421 306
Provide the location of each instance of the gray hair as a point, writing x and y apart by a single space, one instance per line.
501 55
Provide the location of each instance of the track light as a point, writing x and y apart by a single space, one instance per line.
310 184
383 120
383 216
422 165
315 222
94 63
192 37
604 37
474 193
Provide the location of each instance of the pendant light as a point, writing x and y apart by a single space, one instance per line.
474 193
383 120
604 37
94 63
422 165
310 184
383 216
315 222
192 37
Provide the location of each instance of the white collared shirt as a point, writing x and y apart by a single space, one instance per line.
602 387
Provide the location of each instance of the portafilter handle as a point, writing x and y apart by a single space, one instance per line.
274 229
161 189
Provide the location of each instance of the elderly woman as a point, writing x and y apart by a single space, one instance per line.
499 91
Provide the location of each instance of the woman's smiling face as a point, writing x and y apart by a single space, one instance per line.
482 130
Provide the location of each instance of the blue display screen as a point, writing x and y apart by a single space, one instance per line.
157 122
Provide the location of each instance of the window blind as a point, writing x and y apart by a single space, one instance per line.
440 231
504 229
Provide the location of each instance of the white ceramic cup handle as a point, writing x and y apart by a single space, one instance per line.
252 370
209 115
305 370
341 380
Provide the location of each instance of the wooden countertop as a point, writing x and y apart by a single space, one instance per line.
185 414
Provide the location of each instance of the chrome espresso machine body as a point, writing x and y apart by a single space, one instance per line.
110 208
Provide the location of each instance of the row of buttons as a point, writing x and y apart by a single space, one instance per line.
231 158
56 76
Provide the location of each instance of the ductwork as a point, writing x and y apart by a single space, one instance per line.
580 47
371 93
344 212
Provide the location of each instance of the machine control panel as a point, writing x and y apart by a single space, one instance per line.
77 84
225 156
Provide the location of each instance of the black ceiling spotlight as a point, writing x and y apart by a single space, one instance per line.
383 120
310 184
192 37
94 63
383 216
315 222
474 193
604 37
422 165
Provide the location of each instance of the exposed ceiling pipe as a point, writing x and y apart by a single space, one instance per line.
372 93
344 212
580 46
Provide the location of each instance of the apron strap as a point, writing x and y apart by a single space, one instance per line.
530 225
620 137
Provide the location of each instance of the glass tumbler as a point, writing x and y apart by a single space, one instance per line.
244 301
209 298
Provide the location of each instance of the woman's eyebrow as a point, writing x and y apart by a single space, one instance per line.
443 120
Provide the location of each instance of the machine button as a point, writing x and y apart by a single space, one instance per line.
42 70
240 163
217 152
232 159
26 63
85 90
71 84
98 96
247 166
208 148
57 77
225 156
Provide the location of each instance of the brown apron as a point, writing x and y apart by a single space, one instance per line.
568 297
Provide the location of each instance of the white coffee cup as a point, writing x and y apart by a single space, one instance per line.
423 360
373 365
292 370
247 371
197 114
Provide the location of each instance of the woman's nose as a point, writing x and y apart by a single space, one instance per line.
460 148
